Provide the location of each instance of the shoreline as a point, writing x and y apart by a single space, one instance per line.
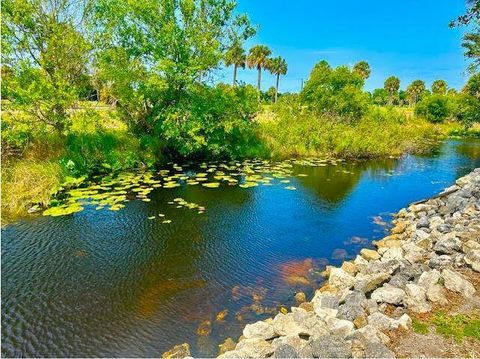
429 261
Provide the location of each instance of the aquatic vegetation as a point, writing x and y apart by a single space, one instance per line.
220 317
113 191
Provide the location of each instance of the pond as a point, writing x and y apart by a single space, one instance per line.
194 264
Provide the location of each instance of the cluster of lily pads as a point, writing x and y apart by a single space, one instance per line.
111 192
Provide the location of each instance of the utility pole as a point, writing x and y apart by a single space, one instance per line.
301 86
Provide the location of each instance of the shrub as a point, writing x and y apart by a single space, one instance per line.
434 108
335 91
212 122
301 132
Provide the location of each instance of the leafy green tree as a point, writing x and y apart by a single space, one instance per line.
434 108
48 56
235 56
336 92
472 87
258 58
271 94
391 85
439 87
414 91
471 40
380 97
154 53
277 66
363 69
471 44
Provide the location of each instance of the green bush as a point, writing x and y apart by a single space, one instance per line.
434 108
90 153
213 122
297 131
335 91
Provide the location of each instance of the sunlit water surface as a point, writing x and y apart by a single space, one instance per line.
115 283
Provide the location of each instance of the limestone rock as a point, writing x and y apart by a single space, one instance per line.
340 279
254 348
416 299
330 346
457 283
448 244
261 329
369 254
388 294
472 258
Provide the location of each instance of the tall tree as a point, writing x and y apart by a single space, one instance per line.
471 40
439 87
363 69
414 90
391 85
43 44
277 66
235 56
257 58
154 52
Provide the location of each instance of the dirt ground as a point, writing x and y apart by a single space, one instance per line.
406 344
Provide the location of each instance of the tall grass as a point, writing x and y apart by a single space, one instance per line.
27 182
296 132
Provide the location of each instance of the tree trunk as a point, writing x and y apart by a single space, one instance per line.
276 88
259 77
234 74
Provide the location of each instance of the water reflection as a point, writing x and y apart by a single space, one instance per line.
101 283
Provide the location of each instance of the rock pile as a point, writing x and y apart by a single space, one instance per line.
411 270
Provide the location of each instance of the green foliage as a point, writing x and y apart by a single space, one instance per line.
472 87
467 109
235 55
214 122
439 87
277 66
336 92
363 69
380 97
414 91
258 58
299 132
458 326
434 108
47 57
391 85
419 326
154 52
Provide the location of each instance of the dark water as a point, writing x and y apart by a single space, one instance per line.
103 283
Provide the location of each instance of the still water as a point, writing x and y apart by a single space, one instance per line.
116 283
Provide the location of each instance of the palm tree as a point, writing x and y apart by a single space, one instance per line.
257 58
391 85
363 69
277 66
439 87
235 56
414 90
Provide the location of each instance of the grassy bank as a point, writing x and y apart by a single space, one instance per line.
35 165
99 142
293 131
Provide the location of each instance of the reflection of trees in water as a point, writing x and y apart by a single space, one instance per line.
335 183
470 149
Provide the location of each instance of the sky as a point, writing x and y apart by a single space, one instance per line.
410 39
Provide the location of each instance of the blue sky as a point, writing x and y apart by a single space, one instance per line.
410 39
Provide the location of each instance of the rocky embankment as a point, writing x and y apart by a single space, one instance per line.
412 271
